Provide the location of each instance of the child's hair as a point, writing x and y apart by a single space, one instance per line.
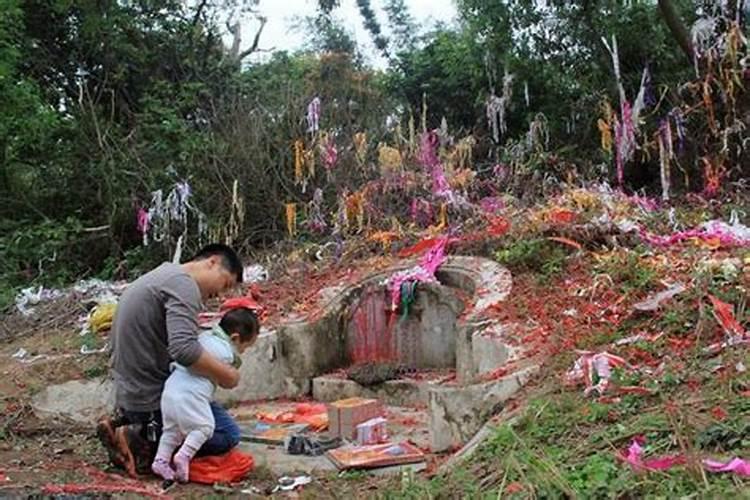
243 321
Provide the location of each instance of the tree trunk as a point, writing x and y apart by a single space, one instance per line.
676 26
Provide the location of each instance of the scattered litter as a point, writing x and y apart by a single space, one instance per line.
740 367
566 241
287 483
638 338
310 445
30 297
100 291
634 453
252 490
570 312
85 350
20 353
93 289
101 317
653 302
254 274
737 465
735 333
594 370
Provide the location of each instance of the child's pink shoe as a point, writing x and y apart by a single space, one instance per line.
161 468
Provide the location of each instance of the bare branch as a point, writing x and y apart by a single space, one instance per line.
256 40
198 12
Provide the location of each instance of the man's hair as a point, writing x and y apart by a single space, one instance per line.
229 258
243 321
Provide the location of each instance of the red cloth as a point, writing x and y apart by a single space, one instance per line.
314 414
231 467
239 302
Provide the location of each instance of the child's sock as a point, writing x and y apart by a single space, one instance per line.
182 462
193 441
167 444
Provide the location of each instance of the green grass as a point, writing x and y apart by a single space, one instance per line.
567 446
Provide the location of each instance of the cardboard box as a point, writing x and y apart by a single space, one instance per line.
344 415
374 431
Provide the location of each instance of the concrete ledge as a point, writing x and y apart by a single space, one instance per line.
392 393
457 413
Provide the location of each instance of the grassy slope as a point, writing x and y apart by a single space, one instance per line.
564 444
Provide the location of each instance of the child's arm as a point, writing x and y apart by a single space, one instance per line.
220 349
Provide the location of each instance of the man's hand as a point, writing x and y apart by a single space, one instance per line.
220 373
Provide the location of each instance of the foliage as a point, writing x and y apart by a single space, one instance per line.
105 103
535 255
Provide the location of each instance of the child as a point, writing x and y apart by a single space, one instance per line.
185 401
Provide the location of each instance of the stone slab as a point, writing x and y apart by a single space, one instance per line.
281 463
80 400
457 413
402 392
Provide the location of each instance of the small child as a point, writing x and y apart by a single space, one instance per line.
185 401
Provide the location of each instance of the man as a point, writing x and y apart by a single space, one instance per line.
156 323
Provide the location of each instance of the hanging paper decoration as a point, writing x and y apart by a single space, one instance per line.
142 224
360 147
299 163
497 107
640 99
538 135
177 202
316 221
313 116
421 211
291 219
236 215
624 141
666 154
679 125
526 93
709 104
355 210
443 219
157 222
605 127
328 152
310 162
389 159
423 272
431 163
712 173
501 172
412 135
605 130
462 154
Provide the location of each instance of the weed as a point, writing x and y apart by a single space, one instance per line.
95 371
628 270
537 256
